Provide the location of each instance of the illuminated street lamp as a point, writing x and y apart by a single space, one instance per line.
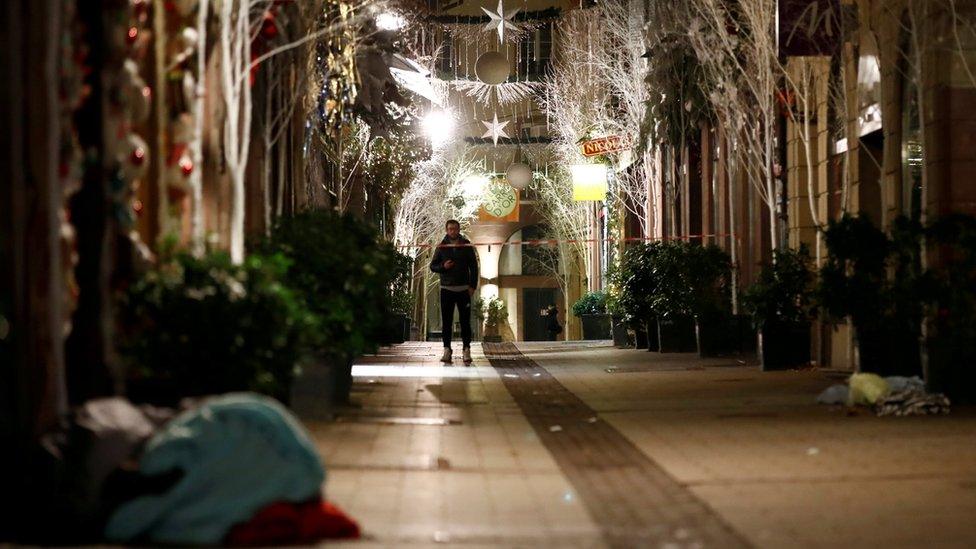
390 21
589 181
439 126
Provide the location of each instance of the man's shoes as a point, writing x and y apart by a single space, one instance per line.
467 355
447 357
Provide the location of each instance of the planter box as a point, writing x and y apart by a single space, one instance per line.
676 335
889 352
618 329
596 326
397 329
784 346
724 335
950 368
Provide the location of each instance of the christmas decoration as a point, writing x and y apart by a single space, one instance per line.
499 200
132 154
519 175
499 21
136 94
495 130
492 68
506 93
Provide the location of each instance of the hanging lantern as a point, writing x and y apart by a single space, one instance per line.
492 68
519 175
589 181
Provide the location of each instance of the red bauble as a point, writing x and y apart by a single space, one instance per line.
138 156
186 166
132 35
137 206
269 28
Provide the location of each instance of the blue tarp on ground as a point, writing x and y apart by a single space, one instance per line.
240 452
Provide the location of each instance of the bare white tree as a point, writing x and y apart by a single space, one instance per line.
736 46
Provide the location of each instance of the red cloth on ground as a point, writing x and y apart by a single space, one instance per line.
294 524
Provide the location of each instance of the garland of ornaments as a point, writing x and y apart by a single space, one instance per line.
73 93
130 106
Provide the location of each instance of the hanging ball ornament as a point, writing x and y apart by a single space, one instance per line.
132 155
519 175
492 68
137 96
186 165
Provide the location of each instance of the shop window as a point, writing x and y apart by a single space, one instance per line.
535 51
912 152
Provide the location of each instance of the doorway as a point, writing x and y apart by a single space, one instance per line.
534 301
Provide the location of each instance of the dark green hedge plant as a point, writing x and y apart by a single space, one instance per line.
345 272
783 292
591 303
206 326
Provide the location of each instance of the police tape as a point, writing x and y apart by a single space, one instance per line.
556 241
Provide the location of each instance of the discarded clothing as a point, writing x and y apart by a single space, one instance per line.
901 383
239 453
835 394
866 389
294 524
912 403
67 475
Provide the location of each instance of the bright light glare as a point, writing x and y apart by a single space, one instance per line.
589 181
473 186
489 291
390 21
439 126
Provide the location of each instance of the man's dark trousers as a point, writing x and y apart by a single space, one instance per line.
462 300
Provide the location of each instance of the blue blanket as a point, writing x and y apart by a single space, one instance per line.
239 452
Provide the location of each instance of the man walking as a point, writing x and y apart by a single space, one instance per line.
457 264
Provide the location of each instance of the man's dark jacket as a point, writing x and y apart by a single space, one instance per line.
465 269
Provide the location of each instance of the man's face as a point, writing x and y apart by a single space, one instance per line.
453 231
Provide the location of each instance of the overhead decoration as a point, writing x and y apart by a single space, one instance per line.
500 202
471 26
492 68
499 21
506 93
519 175
495 130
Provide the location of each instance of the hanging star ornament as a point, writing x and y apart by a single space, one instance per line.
500 21
495 130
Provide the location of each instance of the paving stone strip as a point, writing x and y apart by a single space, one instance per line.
634 501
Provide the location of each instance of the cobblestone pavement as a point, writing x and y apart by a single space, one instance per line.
634 502
723 453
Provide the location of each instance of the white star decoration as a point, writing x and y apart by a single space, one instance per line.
495 130
500 20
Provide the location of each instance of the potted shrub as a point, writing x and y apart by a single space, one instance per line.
672 297
949 290
198 326
637 283
780 302
401 302
875 280
345 272
708 275
492 313
591 309
618 318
